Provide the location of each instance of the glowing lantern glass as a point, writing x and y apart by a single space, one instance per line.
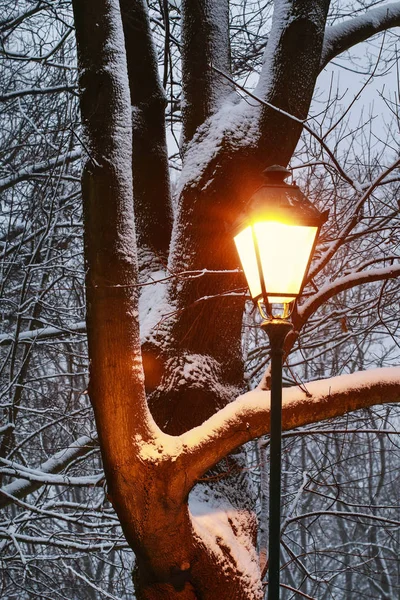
276 240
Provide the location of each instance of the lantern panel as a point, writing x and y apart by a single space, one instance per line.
245 246
284 252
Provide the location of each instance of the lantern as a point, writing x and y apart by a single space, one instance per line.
276 239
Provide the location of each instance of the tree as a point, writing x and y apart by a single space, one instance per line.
154 447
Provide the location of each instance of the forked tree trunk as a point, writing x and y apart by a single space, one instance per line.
173 559
150 496
196 366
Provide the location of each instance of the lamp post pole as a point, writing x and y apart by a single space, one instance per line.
277 330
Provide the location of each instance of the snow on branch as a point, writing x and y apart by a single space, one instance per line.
65 544
342 514
303 122
38 168
352 222
248 416
345 283
343 36
241 421
37 92
43 333
33 479
34 475
11 22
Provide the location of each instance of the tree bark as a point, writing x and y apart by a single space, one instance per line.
151 186
205 43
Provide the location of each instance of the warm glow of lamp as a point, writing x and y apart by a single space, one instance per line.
276 239
284 254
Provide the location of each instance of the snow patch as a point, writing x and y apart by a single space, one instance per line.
198 371
236 121
223 529
153 303
163 447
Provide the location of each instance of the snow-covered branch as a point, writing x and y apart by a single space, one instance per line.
345 283
43 333
33 480
38 168
64 543
14 21
343 36
11 468
248 416
37 92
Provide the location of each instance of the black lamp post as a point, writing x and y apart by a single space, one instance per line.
275 241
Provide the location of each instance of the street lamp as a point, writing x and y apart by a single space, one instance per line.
275 241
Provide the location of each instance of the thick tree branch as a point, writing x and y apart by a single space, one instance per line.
151 185
124 422
343 36
290 69
248 417
116 383
243 420
205 42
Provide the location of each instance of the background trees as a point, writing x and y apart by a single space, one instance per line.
53 485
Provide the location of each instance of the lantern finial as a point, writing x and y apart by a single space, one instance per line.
276 174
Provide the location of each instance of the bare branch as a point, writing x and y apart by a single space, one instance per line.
345 283
352 222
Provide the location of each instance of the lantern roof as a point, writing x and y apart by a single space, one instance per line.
278 200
